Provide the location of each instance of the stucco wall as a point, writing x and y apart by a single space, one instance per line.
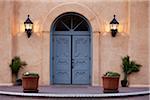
5 42
138 42
132 38
149 43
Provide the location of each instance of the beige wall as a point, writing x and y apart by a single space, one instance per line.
149 42
132 38
5 41
138 42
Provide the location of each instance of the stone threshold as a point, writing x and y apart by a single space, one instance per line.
65 95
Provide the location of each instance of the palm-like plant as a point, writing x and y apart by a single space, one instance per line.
15 66
128 67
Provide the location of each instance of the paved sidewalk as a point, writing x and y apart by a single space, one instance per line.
75 90
4 97
62 89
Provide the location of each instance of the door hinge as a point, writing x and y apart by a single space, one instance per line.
53 39
53 76
89 39
89 76
52 58
89 58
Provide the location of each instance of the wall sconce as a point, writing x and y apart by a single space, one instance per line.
114 26
28 26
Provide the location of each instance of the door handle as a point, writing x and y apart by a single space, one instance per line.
72 67
72 61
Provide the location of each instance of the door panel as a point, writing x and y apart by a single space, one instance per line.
80 60
62 59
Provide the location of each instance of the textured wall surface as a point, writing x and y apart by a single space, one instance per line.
5 42
138 42
132 38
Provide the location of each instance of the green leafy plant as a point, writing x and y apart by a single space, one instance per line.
16 64
112 74
31 74
129 67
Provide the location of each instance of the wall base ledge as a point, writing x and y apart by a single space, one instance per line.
139 85
6 84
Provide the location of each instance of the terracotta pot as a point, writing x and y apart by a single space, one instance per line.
30 83
110 84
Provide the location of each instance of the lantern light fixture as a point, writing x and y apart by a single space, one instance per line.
114 26
28 26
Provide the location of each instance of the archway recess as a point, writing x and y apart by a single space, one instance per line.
46 29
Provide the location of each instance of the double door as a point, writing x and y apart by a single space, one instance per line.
71 59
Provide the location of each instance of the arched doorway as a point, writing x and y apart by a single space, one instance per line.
71 50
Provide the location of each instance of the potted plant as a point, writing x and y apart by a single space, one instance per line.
30 82
111 82
128 67
15 66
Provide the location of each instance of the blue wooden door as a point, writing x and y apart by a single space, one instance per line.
62 59
81 60
71 61
71 50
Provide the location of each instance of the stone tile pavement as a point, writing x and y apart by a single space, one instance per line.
69 90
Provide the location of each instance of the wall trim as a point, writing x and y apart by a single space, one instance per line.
70 7
140 85
6 84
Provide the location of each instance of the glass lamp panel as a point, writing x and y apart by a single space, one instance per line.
28 26
113 26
